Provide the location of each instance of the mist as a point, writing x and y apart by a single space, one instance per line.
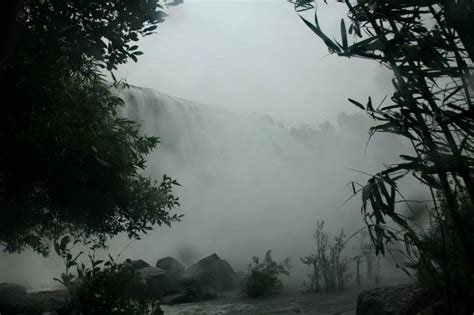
258 132
248 184
255 57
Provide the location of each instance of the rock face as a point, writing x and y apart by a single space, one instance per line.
15 300
405 299
12 297
190 296
173 268
50 300
153 283
138 264
211 272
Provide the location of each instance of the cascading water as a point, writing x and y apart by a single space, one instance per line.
248 183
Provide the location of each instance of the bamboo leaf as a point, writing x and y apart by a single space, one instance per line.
344 34
329 43
356 103
64 242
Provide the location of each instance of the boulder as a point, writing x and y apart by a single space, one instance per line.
12 296
49 300
211 272
152 283
138 264
11 293
405 299
173 268
190 296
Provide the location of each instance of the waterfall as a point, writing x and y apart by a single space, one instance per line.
250 183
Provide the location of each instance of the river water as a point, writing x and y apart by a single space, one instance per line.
291 301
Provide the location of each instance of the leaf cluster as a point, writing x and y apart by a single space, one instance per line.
328 265
103 31
71 164
263 277
102 287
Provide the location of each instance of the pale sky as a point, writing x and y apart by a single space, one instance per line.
255 57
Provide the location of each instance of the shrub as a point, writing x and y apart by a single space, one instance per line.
263 278
103 288
328 266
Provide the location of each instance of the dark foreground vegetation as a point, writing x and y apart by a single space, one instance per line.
429 46
71 165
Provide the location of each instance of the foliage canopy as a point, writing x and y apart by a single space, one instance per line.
263 277
70 164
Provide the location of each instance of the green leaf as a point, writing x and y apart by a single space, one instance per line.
64 242
356 103
369 105
57 249
344 34
329 43
150 28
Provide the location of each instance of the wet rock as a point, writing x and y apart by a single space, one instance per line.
11 293
152 283
437 308
15 300
173 268
12 296
48 301
190 296
405 299
211 272
138 264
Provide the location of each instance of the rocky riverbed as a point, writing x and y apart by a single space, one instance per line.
291 301
211 286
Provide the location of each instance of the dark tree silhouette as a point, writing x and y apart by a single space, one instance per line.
69 164
429 47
